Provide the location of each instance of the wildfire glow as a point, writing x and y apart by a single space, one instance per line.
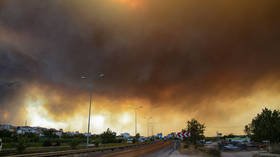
98 121
131 3
38 116
125 118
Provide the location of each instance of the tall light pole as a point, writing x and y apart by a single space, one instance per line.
148 118
89 110
135 109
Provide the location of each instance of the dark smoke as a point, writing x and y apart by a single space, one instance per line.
169 52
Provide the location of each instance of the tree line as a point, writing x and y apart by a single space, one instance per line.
264 127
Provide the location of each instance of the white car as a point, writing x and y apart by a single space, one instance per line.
130 140
208 142
231 147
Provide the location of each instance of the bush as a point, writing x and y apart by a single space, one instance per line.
108 136
214 152
96 142
57 143
21 146
47 143
134 140
74 144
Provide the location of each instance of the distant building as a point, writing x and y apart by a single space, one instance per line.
159 135
239 139
85 134
171 135
142 139
69 133
27 129
7 127
125 135
58 133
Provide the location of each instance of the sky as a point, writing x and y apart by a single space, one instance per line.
168 61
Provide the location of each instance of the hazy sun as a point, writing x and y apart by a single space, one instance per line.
125 118
98 121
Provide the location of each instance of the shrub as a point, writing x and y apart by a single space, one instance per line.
47 143
96 142
74 144
211 152
57 143
21 146
214 152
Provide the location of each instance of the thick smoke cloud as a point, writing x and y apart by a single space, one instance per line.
184 54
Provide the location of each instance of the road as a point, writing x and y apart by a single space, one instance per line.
142 151
159 149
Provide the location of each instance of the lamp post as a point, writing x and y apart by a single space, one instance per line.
90 102
135 109
148 126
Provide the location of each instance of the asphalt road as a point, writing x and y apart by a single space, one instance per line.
160 149
152 150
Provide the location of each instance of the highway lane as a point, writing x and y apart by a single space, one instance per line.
167 151
141 151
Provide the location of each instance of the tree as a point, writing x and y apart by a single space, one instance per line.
137 136
196 130
50 133
247 130
108 136
231 135
265 126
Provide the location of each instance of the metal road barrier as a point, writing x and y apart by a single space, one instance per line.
79 151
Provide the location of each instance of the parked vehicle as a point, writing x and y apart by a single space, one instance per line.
231 147
129 140
208 142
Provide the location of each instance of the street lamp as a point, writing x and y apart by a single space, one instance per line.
148 118
135 109
90 102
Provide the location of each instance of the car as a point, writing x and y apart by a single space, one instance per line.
130 140
208 142
231 147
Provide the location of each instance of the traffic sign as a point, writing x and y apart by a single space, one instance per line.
184 134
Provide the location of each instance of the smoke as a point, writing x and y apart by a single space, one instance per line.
198 57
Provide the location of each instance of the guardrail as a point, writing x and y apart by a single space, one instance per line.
79 151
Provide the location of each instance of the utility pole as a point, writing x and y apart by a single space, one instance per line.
89 114
148 127
152 129
90 103
135 110
135 122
